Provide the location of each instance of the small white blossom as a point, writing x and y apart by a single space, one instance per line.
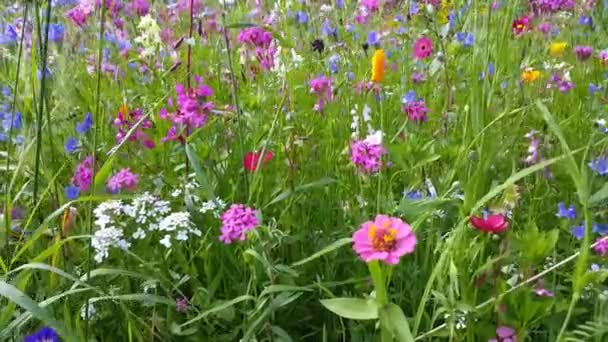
166 241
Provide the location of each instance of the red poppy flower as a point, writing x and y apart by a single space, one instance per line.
491 224
252 159
520 25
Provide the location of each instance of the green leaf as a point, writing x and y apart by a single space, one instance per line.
336 245
104 172
217 308
352 308
319 183
393 318
14 295
200 174
600 196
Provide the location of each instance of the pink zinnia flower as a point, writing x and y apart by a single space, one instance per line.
423 48
386 239
490 224
583 52
236 221
322 87
601 246
123 179
83 174
416 110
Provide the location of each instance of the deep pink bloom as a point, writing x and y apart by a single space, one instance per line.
83 174
192 110
520 25
491 224
123 180
370 5
601 246
79 14
322 87
236 221
386 239
583 52
551 6
125 121
416 110
255 37
423 48
367 155
545 27
139 7
504 334
252 159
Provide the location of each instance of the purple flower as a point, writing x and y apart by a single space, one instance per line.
595 88
71 145
334 62
85 125
322 87
45 334
301 17
181 304
56 32
373 38
236 221
83 174
599 166
72 192
600 228
416 111
465 38
578 231
123 180
583 52
544 292
367 154
601 246
563 212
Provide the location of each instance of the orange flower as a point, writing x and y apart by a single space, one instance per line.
530 75
378 66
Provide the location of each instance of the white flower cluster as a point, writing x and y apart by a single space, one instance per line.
367 118
146 215
149 36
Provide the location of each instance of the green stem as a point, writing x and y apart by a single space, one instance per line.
381 296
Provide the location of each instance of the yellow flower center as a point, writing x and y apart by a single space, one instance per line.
383 238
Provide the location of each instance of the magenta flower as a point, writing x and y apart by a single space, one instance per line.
236 221
255 37
386 239
123 180
370 5
603 56
83 174
583 52
504 334
322 87
367 154
181 304
192 110
423 48
416 110
601 246
125 121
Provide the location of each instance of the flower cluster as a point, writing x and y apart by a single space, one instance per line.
191 112
551 6
322 87
178 224
123 180
125 120
149 36
257 43
367 154
415 108
236 221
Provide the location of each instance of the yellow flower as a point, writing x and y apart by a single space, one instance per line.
378 66
557 49
443 16
530 75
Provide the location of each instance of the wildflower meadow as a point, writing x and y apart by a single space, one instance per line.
304 170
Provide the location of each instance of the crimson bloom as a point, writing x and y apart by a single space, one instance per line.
520 25
252 159
491 224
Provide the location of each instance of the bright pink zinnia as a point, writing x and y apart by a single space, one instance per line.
423 48
236 221
385 239
123 180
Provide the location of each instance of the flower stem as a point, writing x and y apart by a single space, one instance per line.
381 295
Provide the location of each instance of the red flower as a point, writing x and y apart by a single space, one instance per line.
491 224
252 159
520 25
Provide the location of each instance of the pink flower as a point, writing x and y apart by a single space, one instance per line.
181 304
236 221
83 174
423 48
125 121
504 334
385 239
520 25
583 52
603 56
491 224
322 87
416 111
367 155
123 179
255 37
192 110
252 159
370 5
601 246
544 292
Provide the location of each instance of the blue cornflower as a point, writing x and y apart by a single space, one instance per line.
491 69
71 145
19 139
585 20
414 8
6 91
340 4
328 30
399 18
451 18
86 125
56 32
563 212
373 38
600 228
45 334
410 96
465 38
9 36
16 121
599 166
301 17
578 231
3 137
350 76
413 194
334 62
595 267
401 30
72 192
595 88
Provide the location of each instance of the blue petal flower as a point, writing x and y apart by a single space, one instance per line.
599 166
563 212
578 231
71 145
86 125
72 192
600 228
45 334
